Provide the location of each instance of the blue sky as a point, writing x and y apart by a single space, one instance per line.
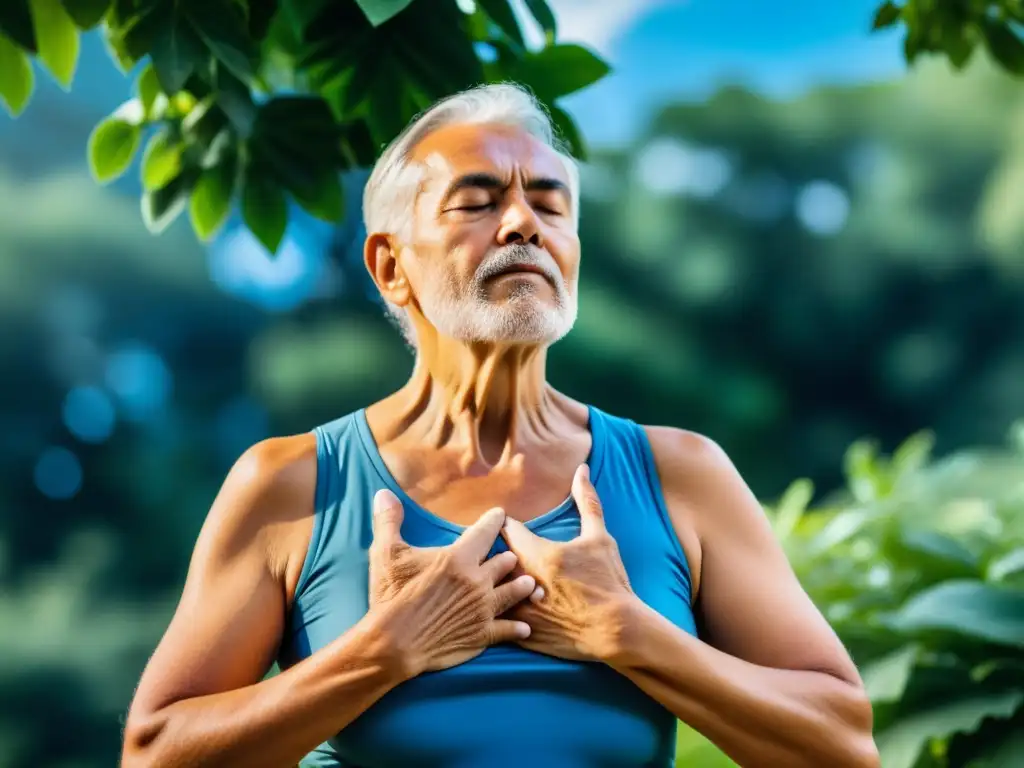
687 48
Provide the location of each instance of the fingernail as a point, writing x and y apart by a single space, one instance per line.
384 500
538 595
523 630
584 472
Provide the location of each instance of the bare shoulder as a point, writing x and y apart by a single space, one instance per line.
267 502
697 474
706 497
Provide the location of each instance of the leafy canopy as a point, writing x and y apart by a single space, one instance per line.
259 101
253 102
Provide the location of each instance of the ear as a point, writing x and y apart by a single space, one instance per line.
380 254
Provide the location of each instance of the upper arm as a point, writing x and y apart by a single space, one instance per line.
751 604
228 623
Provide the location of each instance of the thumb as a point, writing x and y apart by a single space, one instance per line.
588 503
516 535
387 517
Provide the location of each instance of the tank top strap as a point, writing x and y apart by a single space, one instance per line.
343 503
629 483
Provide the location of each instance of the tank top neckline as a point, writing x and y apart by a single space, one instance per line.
369 444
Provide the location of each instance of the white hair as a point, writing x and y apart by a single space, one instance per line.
389 197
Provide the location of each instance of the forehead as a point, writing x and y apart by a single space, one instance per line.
463 148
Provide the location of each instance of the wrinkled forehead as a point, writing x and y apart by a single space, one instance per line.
503 151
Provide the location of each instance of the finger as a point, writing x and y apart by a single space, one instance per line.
387 518
538 595
512 593
588 503
500 566
518 537
508 631
478 539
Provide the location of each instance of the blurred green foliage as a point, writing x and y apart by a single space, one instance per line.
919 566
783 276
256 102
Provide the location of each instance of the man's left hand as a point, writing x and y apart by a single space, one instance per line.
582 588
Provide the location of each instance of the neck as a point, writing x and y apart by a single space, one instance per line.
487 400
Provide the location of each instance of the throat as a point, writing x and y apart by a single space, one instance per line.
486 403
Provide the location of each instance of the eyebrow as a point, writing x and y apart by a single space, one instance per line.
489 181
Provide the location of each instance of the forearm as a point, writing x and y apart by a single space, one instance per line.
759 716
274 723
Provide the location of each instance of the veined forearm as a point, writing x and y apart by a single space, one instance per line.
759 716
274 723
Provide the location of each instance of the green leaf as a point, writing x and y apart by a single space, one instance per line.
1010 564
901 745
326 199
500 12
235 100
913 454
161 160
203 123
140 31
792 506
1004 45
57 37
958 41
885 679
569 132
16 79
379 11
301 13
559 70
176 53
541 11
863 473
162 206
224 33
887 15
264 209
970 609
147 85
211 198
112 145
933 552
86 13
840 528
16 23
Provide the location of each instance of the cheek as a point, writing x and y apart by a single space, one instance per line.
565 248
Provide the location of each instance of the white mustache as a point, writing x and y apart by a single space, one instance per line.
518 254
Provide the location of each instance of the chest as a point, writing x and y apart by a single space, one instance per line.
460 491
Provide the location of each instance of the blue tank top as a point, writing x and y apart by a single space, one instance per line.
508 706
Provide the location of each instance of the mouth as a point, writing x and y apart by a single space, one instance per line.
519 270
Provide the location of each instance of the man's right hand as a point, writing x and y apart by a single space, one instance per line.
442 603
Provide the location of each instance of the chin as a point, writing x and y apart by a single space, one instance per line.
517 322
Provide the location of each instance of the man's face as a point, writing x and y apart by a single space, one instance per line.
493 254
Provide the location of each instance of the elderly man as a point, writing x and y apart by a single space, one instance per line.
477 569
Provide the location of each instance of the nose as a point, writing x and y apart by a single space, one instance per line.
519 224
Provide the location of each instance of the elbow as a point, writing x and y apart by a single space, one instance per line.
139 745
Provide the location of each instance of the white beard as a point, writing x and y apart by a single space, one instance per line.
524 317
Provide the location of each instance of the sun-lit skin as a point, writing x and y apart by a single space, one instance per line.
475 396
